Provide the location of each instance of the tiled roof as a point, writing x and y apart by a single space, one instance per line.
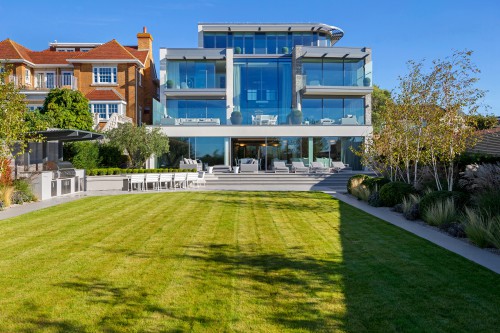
52 57
11 50
488 143
141 55
104 95
110 50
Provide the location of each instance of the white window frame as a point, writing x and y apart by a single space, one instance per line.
85 49
120 106
114 75
27 76
43 82
65 49
63 74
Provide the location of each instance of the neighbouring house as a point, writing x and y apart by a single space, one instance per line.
116 79
265 92
488 142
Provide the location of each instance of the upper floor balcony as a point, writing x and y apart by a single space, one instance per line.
45 82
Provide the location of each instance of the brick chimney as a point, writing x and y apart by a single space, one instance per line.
144 40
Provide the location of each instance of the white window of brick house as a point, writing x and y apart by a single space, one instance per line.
27 76
105 75
105 110
65 49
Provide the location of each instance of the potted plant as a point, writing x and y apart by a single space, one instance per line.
236 118
295 117
367 81
237 50
170 84
284 50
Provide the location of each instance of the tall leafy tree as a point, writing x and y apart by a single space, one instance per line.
68 109
380 99
13 128
138 142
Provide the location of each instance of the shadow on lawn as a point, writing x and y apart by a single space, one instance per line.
290 284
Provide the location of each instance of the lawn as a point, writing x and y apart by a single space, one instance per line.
232 262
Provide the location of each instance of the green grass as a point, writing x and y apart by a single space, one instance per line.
232 262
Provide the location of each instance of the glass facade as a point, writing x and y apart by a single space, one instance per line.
334 111
211 151
262 87
336 72
200 108
191 74
264 42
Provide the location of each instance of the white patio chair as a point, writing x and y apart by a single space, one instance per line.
201 179
299 167
179 180
191 179
318 167
280 167
340 166
138 180
152 178
165 178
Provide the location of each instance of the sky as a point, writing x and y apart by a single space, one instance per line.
397 31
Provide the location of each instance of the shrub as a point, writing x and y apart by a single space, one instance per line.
374 199
6 172
355 181
23 188
441 213
361 192
375 183
488 202
479 228
110 156
482 177
459 198
86 155
394 192
409 207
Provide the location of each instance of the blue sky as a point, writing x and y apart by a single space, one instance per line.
396 30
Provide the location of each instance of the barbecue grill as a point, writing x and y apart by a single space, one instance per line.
60 169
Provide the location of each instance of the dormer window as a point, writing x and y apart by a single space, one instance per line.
105 75
65 49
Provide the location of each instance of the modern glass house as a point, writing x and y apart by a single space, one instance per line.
269 91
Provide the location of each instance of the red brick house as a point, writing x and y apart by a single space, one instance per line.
114 78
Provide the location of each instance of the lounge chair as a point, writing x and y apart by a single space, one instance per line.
318 167
340 166
280 167
299 167
192 179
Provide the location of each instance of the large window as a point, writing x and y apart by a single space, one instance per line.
197 109
264 42
336 72
190 74
105 75
262 87
336 111
104 110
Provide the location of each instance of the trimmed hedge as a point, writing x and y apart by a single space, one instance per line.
350 181
393 193
375 183
118 171
460 199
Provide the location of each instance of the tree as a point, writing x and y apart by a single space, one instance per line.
481 122
68 109
380 99
13 128
37 121
426 124
83 154
138 142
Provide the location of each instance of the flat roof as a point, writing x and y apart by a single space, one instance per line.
68 135
335 33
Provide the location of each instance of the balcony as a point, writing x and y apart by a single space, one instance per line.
45 82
